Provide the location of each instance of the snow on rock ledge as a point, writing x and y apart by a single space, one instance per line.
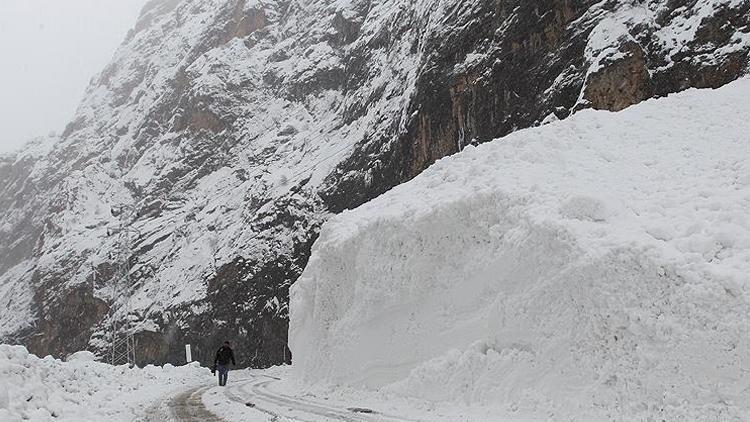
597 266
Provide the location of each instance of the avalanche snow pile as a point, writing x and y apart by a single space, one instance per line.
596 267
81 389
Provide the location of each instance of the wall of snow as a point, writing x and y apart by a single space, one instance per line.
47 389
596 267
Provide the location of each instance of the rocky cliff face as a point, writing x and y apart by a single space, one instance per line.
224 132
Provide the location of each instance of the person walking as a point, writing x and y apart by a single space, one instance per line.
224 355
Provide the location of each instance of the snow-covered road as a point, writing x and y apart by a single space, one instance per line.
258 393
253 398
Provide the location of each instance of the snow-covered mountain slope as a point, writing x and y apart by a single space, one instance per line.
595 267
234 128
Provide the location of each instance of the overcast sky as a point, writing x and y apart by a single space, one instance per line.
49 50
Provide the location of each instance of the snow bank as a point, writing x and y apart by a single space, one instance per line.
597 267
82 390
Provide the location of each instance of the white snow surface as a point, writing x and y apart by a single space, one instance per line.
596 268
81 390
290 401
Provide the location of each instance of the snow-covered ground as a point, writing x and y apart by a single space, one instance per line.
276 395
596 268
82 390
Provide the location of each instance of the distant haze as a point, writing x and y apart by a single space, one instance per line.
49 50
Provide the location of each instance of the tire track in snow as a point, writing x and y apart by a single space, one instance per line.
256 392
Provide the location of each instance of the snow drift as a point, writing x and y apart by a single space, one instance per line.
594 267
47 389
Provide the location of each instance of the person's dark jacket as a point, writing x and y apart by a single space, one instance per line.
223 356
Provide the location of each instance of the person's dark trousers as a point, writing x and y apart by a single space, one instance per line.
223 374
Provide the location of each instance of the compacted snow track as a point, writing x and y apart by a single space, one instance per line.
189 407
184 407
